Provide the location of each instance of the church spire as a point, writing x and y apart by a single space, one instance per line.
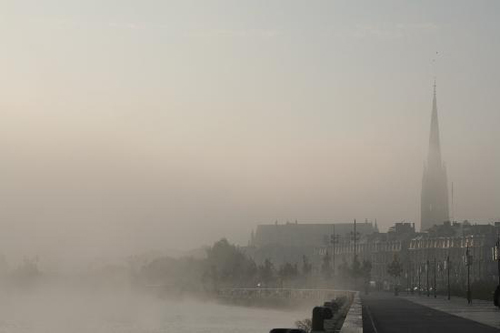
434 157
434 196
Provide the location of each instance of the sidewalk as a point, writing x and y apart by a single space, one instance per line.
480 311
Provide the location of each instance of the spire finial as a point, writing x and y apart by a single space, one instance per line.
434 86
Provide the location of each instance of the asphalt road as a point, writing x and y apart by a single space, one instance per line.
383 313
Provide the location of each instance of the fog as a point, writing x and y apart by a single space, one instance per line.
135 126
141 140
85 309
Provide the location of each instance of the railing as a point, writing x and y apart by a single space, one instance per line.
351 308
284 293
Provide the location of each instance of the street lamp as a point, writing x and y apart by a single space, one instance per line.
355 235
334 240
412 277
435 280
427 278
468 263
496 256
407 283
447 267
419 273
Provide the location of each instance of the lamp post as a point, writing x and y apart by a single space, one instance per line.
411 276
334 240
427 278
468 263
407 283
355 238
435 280
496 256
419 273
447 263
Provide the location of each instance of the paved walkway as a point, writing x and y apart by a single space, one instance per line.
481 311
383 313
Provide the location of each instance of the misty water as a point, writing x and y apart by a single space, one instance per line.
58 310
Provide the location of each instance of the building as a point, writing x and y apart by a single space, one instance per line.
434 196
380 249
289 242
305 234
420 253
430 251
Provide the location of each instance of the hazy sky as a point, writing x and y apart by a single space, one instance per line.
134 125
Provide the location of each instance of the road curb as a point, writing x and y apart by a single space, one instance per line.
353 322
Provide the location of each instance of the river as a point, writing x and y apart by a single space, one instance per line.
99 311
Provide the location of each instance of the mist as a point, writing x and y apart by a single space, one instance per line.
163 126
125 130
85 309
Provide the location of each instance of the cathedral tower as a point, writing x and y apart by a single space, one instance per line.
434 200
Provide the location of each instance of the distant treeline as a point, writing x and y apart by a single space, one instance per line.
23 275
226 265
